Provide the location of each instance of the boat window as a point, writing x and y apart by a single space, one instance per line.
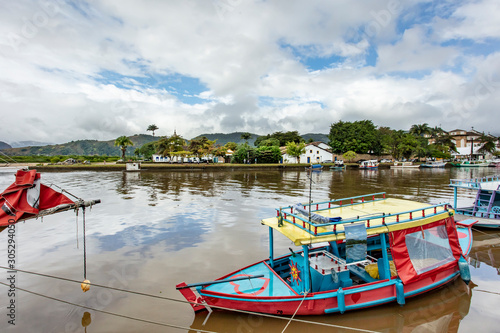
429 249
355 235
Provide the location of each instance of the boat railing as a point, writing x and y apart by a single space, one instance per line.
474 183
370 220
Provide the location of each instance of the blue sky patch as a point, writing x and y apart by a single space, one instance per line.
185 88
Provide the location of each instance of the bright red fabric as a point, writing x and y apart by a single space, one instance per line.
401 258
14 204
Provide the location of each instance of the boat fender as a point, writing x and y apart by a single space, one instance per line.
400 293
341 300
463 266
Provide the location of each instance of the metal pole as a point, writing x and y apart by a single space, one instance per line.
307 274
271 247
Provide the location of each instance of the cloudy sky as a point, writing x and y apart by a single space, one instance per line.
74 70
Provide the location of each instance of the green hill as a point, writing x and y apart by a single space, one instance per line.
315 137
94 147
4 145
82 147
222 138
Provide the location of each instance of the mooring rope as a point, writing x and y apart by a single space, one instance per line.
486 291
296 310
84 247
188 302
110 313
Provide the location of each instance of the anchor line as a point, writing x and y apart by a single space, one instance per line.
188 302
108 312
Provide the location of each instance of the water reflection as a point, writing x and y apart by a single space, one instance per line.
486 249
155 229
439 311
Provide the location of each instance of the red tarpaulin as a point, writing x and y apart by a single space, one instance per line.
422 251
26 197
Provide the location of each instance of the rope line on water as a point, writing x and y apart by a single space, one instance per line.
486 233
109 313
486 291
296 310
188 302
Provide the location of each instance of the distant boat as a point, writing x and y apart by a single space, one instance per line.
470 164
315 167
369 165
494 164
339 165
404 165
434 164
486 206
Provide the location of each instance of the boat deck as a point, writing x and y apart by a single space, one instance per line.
268 285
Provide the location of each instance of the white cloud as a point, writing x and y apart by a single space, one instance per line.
243 52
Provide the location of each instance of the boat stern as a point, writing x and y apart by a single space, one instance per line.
190 296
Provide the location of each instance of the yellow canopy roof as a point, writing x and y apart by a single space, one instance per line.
422 214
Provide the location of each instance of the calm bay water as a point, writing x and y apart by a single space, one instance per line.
156 229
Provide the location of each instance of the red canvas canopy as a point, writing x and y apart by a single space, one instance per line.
26 197
424 250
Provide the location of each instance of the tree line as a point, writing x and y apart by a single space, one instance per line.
348 138
363 137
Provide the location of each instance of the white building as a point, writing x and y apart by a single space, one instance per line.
316 152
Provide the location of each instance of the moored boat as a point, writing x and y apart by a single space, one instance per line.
355 253
494 164
404 165
486 206
369 165
433 164
470 164
339 165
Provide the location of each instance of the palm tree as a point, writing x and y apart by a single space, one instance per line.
245 136
445 139
420 130
152 128
122 142
436 131
487 144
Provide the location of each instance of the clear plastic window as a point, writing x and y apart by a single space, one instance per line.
429 249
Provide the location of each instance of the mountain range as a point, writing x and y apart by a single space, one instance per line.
94 147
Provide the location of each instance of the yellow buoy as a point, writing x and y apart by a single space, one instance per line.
85 285
86 319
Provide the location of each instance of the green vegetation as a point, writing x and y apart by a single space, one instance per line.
282 138
347 138
358 136
295 149
122 142
349 156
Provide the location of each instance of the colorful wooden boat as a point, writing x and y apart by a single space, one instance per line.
355 253
369 165
486 206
